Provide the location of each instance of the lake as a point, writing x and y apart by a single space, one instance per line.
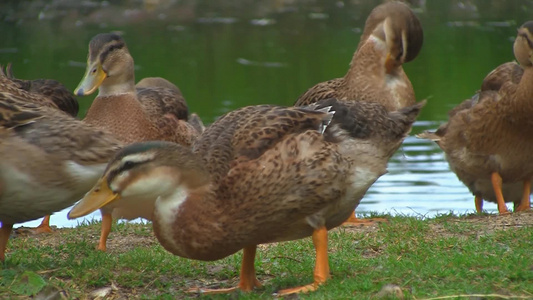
228 54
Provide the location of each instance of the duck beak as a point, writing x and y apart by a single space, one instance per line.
99 196
93 78
390 64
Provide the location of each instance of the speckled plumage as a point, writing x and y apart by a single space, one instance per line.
48 92
49 159
391 31
509 72
259 174
491 132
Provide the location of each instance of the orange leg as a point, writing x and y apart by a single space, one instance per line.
107 221
247 281
353 220
45 226
479 204
525 204
5 231
497 186
321 274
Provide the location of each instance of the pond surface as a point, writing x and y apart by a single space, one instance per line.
228 54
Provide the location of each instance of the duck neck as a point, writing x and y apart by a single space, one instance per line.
367 78
121 115
116 89
369 56
188 223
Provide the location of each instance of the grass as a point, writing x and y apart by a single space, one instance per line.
445 256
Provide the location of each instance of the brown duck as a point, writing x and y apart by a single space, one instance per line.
259 174
392 36
153 110
49 159
488 138
54 94
49 93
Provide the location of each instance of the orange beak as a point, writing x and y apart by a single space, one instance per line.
99 196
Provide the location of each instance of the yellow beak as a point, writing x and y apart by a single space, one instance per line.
94 75
99 196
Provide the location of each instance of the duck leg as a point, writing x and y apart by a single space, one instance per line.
44 227
525 204
107 221
479 204
321 273
353 220
497 186
247 281
5 231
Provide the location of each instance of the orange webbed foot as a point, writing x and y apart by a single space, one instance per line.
321 273
44 227
301 289
353 220
525 203
497 186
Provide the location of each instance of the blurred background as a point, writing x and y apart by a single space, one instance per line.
228 54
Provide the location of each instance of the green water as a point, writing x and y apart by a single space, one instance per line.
228 54
202 55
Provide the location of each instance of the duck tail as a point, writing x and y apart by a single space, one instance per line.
327 118
405 117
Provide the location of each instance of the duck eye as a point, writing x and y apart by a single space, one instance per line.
128 165
93 71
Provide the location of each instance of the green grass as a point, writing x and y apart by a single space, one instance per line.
425 258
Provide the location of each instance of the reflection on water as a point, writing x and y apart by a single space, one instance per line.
419 182
224 55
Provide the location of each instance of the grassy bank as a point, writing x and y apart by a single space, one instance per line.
442 256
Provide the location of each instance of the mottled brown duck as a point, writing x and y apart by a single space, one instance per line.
54 93
509 72
49 93
151 111
145 87
392 36
488 138
49 159
259 174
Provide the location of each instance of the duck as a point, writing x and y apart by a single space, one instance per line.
487 139
53 93
154 109
259 174
391 37
155 112
509 72
146 85
49 159
49 93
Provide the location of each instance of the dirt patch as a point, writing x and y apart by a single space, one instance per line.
120 240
